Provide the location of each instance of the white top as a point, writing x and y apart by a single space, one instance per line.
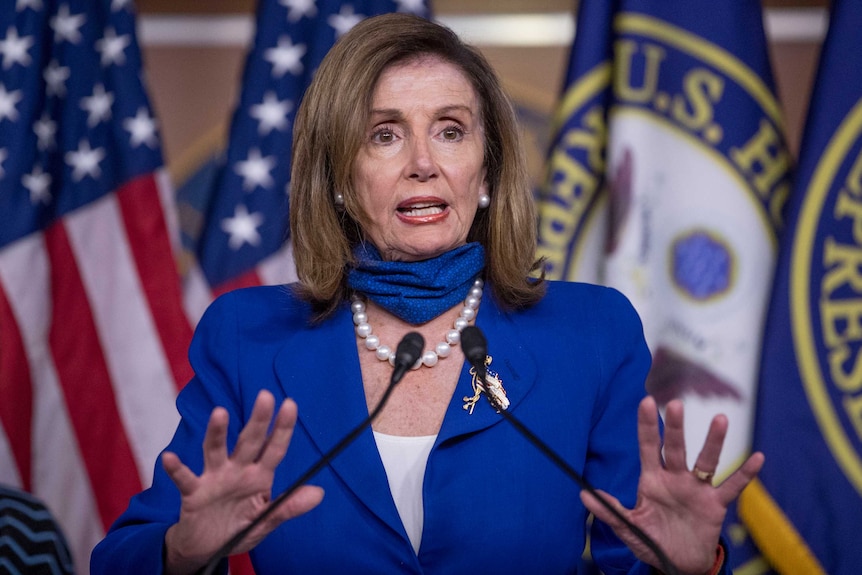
404 459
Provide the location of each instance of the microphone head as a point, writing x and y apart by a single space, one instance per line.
474 345
409 350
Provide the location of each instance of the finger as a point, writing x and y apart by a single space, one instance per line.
649 439
707 459
282 432
674 437
597 508
253 436
183 477
215 440
731 487
302 501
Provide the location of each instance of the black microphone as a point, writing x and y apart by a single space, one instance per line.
408 352
475 348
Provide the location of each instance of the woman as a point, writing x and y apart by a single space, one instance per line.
408 191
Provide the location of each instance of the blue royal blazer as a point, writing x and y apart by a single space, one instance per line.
573 367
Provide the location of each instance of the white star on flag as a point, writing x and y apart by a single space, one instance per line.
39 184
85 161
55 79
45 129
299 8
271 113
112 47
15 49
117 5
98 106
66 25
142 129
255 170
8 103
242 227
20 5
344 20
412 6
286 57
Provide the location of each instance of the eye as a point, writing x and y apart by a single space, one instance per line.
383 135
452 133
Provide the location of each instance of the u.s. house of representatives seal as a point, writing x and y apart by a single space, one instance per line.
826 294
667 182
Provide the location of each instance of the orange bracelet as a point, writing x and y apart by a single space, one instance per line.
719 560
716 567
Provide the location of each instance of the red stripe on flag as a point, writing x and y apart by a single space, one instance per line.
150 244
86 384
16 391
248 279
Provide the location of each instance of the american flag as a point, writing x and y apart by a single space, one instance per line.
93 334
243 204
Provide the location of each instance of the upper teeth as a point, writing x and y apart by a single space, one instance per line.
420 210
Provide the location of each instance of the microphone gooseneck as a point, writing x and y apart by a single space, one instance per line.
475 348
408 352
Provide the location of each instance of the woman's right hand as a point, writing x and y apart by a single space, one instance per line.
233 489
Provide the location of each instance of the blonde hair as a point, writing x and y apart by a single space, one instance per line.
330 126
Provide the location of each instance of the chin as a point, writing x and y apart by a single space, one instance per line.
416 255
419 248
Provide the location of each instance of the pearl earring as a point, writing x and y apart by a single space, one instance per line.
339 199
484 201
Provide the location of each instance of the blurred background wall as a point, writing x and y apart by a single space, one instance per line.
194 53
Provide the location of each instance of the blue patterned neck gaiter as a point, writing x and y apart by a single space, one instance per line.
417 292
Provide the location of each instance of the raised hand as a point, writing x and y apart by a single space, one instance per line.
233 489
678 508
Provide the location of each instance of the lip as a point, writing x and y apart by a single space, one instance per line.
422 210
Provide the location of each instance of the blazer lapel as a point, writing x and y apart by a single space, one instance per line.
511 360
327 388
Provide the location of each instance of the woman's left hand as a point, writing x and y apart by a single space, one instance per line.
677 507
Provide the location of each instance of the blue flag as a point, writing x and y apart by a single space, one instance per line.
667 177
242 198
806 511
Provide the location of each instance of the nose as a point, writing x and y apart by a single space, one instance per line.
422 166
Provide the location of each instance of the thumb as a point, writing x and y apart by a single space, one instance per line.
597 508
303 500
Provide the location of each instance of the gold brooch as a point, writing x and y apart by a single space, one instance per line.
493 388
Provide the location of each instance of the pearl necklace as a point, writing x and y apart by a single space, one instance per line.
429 357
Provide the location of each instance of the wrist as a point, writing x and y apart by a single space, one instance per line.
175 563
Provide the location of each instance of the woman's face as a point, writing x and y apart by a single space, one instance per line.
419 171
